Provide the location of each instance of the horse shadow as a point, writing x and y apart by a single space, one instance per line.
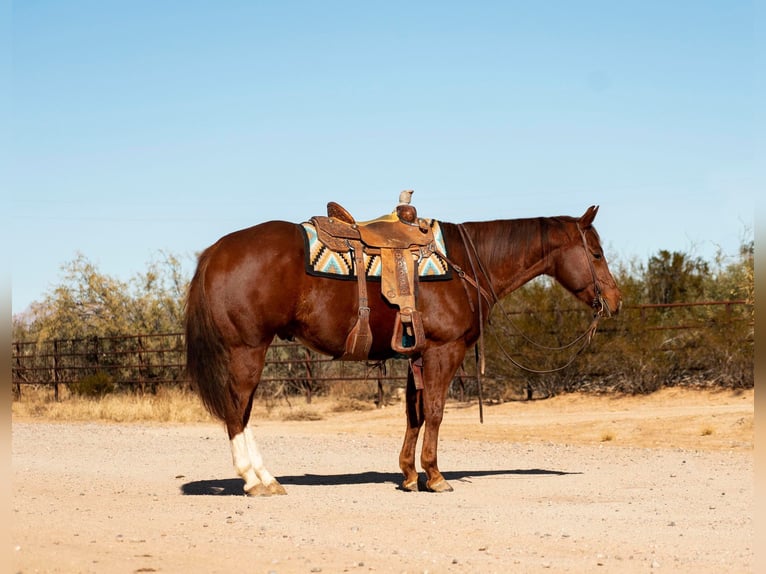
234 486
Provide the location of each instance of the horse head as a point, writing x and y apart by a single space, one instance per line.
580 266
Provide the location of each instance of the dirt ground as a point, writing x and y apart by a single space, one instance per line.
571 484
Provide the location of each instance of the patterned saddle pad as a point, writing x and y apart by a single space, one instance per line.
322 261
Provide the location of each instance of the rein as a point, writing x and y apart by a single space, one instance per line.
599 304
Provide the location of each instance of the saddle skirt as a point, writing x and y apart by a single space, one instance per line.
325 261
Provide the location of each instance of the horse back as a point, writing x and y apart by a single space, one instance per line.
257 286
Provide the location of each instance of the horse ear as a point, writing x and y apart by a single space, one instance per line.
590 214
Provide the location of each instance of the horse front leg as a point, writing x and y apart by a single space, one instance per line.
414 409
439 367
246 367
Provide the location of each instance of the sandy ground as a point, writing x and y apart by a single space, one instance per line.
571 484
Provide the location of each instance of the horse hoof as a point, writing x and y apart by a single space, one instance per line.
258 490
440 486
276 488
410 485
271 489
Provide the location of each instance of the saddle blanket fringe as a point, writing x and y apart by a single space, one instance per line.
322 261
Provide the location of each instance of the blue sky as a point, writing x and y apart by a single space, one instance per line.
144 126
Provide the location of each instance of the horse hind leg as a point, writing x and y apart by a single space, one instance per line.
249 464
246 367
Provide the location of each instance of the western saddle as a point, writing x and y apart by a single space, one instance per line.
400 239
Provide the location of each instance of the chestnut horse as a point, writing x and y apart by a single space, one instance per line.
251 286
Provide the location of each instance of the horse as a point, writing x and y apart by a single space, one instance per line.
251 286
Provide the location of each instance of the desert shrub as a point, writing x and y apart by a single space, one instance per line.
665 336
95 385
348 404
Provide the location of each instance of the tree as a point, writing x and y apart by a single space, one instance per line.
157 298
675 277
735 279
88 303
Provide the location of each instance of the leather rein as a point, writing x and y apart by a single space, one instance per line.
599 304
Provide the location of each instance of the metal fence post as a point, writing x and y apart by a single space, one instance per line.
56 369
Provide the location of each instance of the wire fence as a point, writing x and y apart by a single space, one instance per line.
145 362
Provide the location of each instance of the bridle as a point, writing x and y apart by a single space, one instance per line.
600 304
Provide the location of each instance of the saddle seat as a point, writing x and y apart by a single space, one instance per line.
401 229
400 238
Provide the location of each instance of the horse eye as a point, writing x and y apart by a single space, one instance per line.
597 255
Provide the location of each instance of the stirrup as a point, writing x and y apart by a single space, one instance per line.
409 336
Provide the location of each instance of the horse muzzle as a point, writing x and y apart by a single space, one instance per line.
603 309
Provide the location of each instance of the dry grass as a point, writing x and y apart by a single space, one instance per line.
302 414
346 404
672 418
168 405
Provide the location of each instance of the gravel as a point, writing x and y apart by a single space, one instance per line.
91 497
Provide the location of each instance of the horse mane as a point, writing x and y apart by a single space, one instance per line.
524 241
517 239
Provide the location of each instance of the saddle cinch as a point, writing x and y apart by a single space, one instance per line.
399 238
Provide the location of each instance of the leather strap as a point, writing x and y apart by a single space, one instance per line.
359 340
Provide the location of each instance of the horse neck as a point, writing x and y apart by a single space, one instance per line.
513 251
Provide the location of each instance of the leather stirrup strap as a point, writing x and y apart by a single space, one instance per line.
359 339
416 366
399 285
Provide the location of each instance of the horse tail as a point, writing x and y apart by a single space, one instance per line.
207 361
